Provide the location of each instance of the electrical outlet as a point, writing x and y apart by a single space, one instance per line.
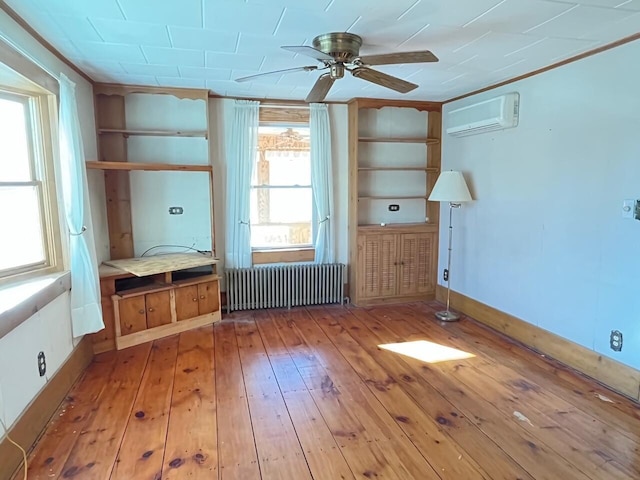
445 275
42 364
176 210
615 340
394 207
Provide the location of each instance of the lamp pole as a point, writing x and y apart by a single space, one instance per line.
448 315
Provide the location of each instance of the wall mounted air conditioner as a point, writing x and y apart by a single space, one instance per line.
493 114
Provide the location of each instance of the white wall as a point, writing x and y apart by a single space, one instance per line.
221 119
544 239
152 193
49 329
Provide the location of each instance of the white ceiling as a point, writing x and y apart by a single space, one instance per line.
209 43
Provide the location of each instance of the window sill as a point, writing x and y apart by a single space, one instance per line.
20 301
289 255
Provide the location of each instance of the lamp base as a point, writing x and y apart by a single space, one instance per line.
447 316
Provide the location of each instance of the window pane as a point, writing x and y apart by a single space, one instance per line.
22 241
14 149
281 217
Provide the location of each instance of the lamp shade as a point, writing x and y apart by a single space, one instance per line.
450 187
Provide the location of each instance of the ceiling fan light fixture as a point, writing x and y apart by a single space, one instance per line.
340 51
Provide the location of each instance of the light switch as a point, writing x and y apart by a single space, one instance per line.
628 207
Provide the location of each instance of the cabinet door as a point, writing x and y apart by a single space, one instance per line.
377 266
186 302
417 263
158 308
133 315
208 297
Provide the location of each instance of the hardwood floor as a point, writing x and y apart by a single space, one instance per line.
336 393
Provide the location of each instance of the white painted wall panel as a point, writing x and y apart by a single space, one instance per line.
544 239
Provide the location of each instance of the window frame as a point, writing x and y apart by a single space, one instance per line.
41 109
286 117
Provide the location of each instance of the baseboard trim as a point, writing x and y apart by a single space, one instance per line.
34 420
609 372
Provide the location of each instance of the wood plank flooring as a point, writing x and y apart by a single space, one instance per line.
338 393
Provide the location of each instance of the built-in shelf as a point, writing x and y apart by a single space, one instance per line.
367 226
153 167
425 140
154 133
399 169
396 197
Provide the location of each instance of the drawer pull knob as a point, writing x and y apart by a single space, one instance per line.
202 296
195 299
141 311
151 309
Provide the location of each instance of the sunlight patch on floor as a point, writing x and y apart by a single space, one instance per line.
428 352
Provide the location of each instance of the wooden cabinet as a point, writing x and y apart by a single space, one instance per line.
208 297
186 302
394 161
396 266
148 307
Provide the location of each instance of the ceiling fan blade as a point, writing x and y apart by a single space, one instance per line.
308 51
423 56
277 72
374 76
320 89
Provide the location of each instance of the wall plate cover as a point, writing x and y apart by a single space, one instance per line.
394 207
628 207
176 210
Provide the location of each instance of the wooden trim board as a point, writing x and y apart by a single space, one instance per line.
609 372
155 333
33 421
261 257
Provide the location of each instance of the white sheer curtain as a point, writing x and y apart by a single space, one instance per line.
322 182
86 313
241 156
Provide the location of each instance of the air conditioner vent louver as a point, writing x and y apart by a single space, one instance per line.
494 114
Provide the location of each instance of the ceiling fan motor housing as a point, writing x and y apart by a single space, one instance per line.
342 46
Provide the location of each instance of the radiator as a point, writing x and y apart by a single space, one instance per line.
284 286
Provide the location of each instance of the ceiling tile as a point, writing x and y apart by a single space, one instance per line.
455 14
203 39
181 82
233 60
111 51
611 32
239 16
578 22
205 73
136 79
187 13
517 16
121 31
304 22
622 4
251 44
97 9
174 56
77 28
151 70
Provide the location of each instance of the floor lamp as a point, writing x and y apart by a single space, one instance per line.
450 187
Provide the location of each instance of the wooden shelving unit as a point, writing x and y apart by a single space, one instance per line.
391 260
153 133
166 304
425 140
399 169
147 167
392 197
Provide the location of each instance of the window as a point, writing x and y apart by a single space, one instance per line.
26 212
281 194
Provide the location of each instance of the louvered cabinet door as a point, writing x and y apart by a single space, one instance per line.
377 266
417 263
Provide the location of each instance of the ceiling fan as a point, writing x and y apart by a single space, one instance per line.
340 51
